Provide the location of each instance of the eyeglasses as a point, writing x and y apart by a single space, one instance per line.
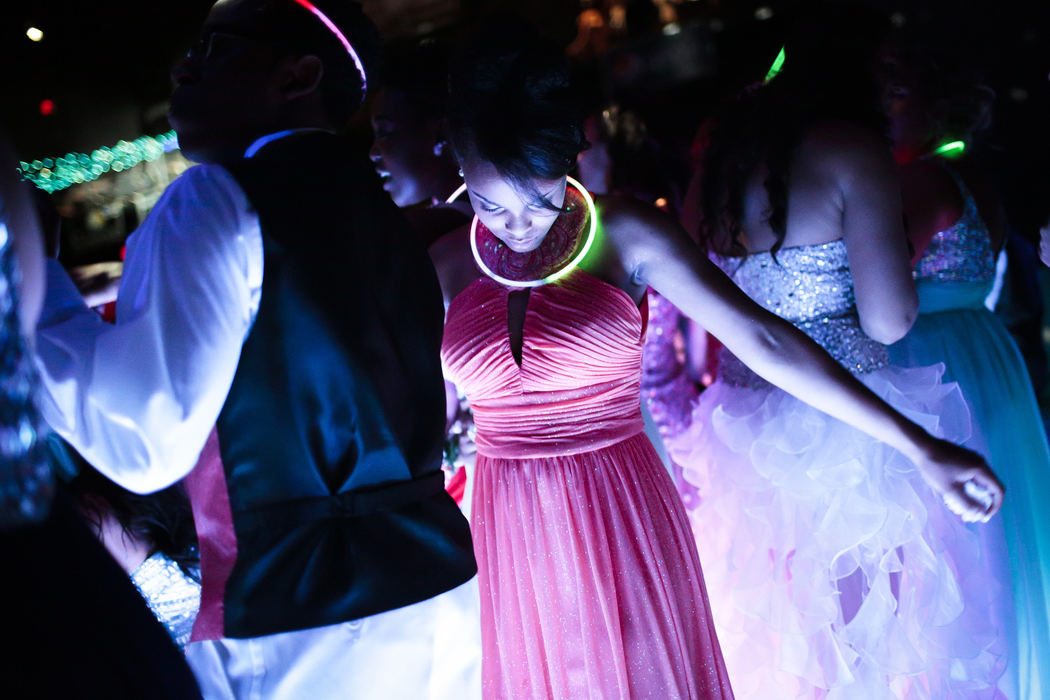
216 43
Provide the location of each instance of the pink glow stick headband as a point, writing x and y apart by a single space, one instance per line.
307 5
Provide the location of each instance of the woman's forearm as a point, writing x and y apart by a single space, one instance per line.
772 347
788 358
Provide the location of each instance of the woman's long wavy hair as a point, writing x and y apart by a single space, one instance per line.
829 74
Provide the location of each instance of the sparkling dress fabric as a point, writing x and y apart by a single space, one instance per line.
953 277
667 389
833 570
590 582
26 479
666 385
173 596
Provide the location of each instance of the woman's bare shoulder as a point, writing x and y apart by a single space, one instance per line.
851 155
637 235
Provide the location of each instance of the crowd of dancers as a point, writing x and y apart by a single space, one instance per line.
846 506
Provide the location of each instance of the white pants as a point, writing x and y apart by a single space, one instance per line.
430 650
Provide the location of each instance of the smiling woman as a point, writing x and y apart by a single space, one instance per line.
410 150
570 495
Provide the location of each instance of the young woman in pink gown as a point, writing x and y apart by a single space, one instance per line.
590 581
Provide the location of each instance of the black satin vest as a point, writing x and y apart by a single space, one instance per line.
332 432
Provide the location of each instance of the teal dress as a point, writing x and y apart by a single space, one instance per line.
954 327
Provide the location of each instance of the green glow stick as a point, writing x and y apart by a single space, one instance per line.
778 64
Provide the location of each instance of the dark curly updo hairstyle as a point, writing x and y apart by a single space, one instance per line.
829 74
511 103
418 71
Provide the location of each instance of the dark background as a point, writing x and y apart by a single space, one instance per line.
105 67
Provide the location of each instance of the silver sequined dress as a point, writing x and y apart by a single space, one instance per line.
825 553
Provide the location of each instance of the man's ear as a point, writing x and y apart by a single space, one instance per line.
301 76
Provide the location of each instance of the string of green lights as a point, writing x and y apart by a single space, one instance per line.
55 174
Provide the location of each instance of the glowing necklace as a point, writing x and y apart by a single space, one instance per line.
952 149
557 274
455 195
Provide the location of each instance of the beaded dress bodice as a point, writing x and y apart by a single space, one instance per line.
962 252
812 287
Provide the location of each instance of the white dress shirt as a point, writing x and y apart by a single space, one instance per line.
138 399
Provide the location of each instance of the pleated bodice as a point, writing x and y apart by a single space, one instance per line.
577 387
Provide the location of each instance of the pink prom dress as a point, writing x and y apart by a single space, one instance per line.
589 574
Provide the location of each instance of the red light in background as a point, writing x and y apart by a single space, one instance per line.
47 107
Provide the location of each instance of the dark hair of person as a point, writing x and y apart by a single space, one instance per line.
829 74
418 72
641 167
511 103
296 29
163 519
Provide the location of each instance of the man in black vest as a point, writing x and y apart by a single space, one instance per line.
276 294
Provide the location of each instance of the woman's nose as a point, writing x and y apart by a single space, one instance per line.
517 223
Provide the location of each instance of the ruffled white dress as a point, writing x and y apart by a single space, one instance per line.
833 570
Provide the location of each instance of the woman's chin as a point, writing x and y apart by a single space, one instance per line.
523 245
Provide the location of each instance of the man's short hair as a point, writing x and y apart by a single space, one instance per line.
293 26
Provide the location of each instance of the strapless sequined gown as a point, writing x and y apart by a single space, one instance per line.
953 277
590 582
833 570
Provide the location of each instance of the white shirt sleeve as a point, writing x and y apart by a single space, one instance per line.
138 399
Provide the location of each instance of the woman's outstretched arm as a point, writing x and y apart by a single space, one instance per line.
657 253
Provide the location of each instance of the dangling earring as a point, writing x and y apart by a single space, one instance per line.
461 172
439 148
